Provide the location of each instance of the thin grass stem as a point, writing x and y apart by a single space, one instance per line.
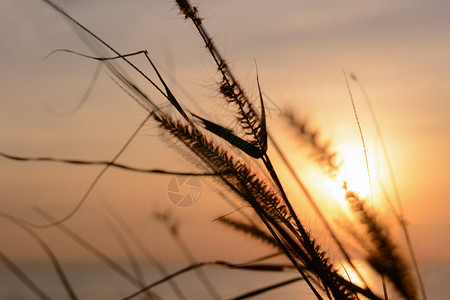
48 251
11 266
140 245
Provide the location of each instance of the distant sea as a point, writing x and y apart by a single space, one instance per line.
97 282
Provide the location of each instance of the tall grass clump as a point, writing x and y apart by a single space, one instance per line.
239 161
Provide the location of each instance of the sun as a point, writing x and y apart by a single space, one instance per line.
353 174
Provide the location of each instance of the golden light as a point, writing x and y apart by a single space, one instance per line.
364 270
335 187
350 274
353 174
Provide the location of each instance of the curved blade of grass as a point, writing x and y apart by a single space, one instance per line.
266 289
231 138
83 99
203 264
102 42
169 94
179 272
263 126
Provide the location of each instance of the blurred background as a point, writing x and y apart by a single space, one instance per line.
398 51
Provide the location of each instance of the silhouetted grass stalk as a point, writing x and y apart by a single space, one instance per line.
383 254
228 156
398 214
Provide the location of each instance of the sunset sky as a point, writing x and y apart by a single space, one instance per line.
399 51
